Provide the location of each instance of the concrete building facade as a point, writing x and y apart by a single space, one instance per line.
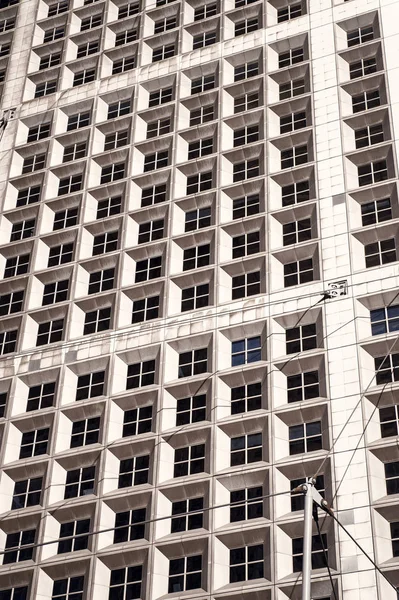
199 297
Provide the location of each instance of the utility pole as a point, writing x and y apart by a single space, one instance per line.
311 496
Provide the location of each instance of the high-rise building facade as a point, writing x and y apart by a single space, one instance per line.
199 297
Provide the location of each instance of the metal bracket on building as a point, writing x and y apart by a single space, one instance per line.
337 288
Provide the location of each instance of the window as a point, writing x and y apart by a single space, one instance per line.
395 538
376 211
163 52
384 320
27 493
204 39
181 521
65 218
109 207
292 88
246 244
55 292
160 97
247 135
11 303
205 11
185 574
246 170
112 172
292 56
153 195
200 182
151 231
97 320
195 297
3 404
246 398
297 231
106 242
90 22
289 12
34 163
193 362
85 432
41 396
157 128
80 482
71 588
298 272
2 75
85 76
361 35
303 386
74 528
16 265
60 255
34 443
372 172
39 132
392 477
246 563
191 410
90 385
134 471
301 338
19 546
22 230
189 460
366 100
245 285
51 60
204 83
198 218
158 160
50 332
249 69
305 437
87 49
126 583
15 593
140 374
201 115
45 88
126 63
129 525
363 67
319 560
201 147
246 351
101 281
77 121
380 253
372 134
74 152
125 37
57 8
246 449
246 102
7 24
137 421
29 195
295 193
5 49
120 108
149 268
246 26
165 24
196 257
8 341
145 309
292 157
298 499
70 184
246 504
246 206
389 420
292 122
387 368
132 8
